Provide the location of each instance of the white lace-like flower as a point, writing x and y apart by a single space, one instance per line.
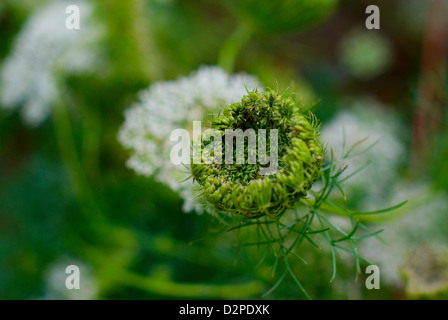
367 119
44 50
170 105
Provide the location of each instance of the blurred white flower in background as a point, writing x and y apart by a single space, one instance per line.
366 54
55 281
425 272
366 118
422 220
43 51
170 105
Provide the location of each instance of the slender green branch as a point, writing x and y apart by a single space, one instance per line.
69 156
233 45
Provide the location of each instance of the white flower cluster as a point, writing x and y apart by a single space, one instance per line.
43 51
366 118
166 106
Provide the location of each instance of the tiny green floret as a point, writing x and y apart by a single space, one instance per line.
240 188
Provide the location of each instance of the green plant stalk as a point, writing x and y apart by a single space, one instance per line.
130 40
190 290
69 156
233 45
91 143
114 270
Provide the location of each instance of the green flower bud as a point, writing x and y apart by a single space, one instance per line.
243 189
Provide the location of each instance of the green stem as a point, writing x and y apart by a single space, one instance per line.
114 267
233 45
190 290
91 143
129 39
69 156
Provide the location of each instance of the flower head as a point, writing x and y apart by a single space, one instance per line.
244 188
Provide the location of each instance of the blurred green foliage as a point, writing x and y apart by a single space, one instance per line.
69 195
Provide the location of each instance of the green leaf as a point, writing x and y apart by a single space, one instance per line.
359 213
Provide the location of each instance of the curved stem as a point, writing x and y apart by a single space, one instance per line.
114 263
233 45
189 290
